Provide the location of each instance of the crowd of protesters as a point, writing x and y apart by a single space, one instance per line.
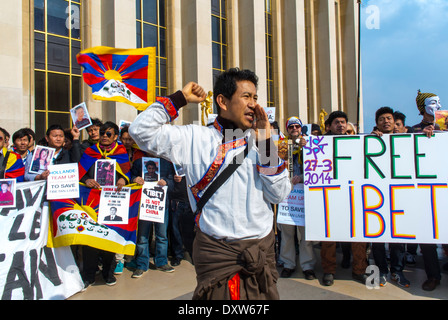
171 242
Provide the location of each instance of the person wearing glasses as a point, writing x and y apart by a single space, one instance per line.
106 148
287 257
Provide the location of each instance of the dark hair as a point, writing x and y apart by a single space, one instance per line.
96 122
399 116
315 127
150 163
30 132
381 111
109 124
335 115
6 133
225 83
54 127
19 134
124 130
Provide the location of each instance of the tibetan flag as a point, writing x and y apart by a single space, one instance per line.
121 75
14 166
94 153
75 222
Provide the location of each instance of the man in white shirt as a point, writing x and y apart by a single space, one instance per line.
234 244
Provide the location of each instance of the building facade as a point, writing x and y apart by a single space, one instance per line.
305 53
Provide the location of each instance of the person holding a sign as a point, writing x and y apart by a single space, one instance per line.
55 138
385 124
288 232
428 104
106 148
234 242
337 125
142 254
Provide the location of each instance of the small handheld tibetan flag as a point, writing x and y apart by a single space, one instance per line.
121 75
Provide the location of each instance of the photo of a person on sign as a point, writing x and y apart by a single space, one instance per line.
151 168
113 216
6 193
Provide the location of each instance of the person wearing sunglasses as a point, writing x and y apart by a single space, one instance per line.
107 147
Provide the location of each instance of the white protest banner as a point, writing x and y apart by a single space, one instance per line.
376 189
114 206
63 181
292 210
153 202
28 269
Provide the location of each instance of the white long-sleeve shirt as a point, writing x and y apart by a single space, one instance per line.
241 208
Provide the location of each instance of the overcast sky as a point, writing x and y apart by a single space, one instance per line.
404 48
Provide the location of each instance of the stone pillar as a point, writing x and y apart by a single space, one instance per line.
294 59
15 59
252 42
196 51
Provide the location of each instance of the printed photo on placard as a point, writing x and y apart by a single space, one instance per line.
114 206
441 118
7 193
179 170
80 116
123 124
151 169
105 172
42 158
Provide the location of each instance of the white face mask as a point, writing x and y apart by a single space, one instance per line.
432 105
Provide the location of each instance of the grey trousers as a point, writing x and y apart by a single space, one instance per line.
307 257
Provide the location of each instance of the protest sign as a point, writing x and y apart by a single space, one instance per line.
270 111
42 157
28 269
7 193
291 210
151 169
80 116
114 206
105 172
153 202
75 222
63 181
441 118
376 189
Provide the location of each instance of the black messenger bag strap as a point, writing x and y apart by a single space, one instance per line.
3 164
219 181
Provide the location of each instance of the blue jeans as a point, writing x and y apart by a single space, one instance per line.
142 248
397 252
